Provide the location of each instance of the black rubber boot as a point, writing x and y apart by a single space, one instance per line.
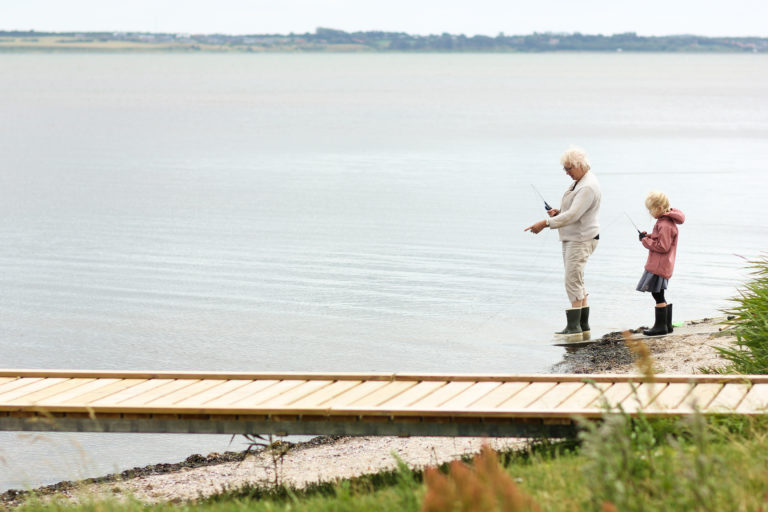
584 323
660 326
573 315
669 319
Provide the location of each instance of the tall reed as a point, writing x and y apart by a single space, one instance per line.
750 322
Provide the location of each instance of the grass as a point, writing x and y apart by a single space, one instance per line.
749 318
626 464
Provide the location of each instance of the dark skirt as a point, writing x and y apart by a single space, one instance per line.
652 283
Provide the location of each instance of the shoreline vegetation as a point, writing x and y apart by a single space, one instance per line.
339 41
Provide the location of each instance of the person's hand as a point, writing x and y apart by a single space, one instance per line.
642 235
536 228
553 212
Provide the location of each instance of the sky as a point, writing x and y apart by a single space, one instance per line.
489 17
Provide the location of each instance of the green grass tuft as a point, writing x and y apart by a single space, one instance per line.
750 323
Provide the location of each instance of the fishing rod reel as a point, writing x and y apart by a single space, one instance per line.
546 204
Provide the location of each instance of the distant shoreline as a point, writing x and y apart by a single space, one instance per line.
303 51
337 41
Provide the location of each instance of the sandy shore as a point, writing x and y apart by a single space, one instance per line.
689 349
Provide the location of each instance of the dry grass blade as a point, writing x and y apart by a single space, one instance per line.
484 486
642 355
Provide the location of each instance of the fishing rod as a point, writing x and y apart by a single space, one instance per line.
546 204
642 235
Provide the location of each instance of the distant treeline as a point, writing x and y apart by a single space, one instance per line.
326 39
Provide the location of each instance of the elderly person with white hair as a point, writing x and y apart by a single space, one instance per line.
577 224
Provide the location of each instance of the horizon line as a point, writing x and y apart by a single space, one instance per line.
500 34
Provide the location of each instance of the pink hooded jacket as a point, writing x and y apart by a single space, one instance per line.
662 244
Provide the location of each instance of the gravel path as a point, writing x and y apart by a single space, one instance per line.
345 458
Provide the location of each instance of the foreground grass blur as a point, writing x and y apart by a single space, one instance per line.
625 464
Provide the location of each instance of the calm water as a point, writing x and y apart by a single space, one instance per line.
346 212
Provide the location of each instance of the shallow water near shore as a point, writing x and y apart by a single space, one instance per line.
346 213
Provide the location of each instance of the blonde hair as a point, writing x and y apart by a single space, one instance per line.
657 202
575 157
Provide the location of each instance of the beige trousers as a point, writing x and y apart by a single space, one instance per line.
575 255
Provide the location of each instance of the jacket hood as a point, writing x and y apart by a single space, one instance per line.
674 215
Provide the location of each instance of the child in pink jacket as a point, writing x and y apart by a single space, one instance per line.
662 247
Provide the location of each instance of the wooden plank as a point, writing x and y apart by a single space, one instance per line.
262 396
644 394
17 383
41 395
499 395
414 394
384 427
378 376
612 396
89 398
240 393
403 400
27 388
225 387
175 375
128 393
700 396
555 396
584 396
670 397
756 401
287 398
471 395
441 395
600 377
381 395
150 395
93 384
349 397
318 398
729 398
524 398
185 393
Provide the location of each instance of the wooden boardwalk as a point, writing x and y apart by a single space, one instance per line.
354 404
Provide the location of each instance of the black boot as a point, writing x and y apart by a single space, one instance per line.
573 315
660 326
584 323
669 319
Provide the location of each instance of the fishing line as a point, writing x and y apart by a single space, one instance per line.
546 204
515 289
633 223
604 229
533 270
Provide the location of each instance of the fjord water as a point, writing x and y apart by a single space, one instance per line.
340 212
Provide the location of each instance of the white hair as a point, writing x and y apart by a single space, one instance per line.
575 157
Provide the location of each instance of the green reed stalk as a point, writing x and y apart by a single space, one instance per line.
750 322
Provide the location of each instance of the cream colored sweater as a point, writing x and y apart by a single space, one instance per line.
577 220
